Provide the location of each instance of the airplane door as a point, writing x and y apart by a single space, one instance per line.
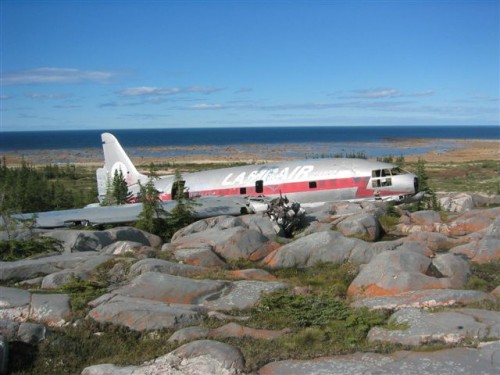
259 186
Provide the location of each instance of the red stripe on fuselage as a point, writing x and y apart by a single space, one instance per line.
360 183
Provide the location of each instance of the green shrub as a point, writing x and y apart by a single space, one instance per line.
11 250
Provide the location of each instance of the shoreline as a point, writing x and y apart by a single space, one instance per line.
430 150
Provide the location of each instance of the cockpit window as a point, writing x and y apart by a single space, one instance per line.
397 171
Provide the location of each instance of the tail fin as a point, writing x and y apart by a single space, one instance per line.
115 159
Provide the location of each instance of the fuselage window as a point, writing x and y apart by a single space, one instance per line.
259 186
376 173
243 190
387 182
386 172
312 185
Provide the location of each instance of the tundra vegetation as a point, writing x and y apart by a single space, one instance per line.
314 309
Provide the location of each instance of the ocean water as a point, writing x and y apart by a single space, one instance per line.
80 139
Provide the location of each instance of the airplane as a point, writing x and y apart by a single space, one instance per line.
239 190
310 182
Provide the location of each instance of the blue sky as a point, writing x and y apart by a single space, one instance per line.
160 64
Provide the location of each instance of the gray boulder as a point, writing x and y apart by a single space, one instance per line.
171 289
8 328
219 222
363 226
427 217
394 272
189 334
50 309
31 333
143 315
481 360
198 357
134 235
242 295
122 248
328 246
232 243
80 240
14 304
457 203
420 327
424 299
164 266
202 256
30 268
484 249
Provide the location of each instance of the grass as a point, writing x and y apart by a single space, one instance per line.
322 278
484 277
69 350
474 176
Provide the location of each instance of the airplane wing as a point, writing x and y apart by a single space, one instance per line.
204 207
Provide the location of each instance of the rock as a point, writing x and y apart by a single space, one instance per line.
122 248
171 289
30 268
238 331
454 267
189 334
433 241
260 223
134 235
58 279
307 251
425 217
164 266
219 223
8 328
82 271
423 299
252 274
422 327
228 356
14 304
198 357
484 249
232 243
202 256
31 333
143 315
242 295
364 226
50 309
80 240
482 360
496 291
108 369
394 272
457 203
241 244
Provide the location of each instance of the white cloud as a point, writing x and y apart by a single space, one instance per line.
159 91
37 95
5 97
384 93
203 106
56 75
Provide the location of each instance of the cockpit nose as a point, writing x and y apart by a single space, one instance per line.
415 184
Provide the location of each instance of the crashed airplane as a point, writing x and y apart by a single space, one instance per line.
241 190
305 181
